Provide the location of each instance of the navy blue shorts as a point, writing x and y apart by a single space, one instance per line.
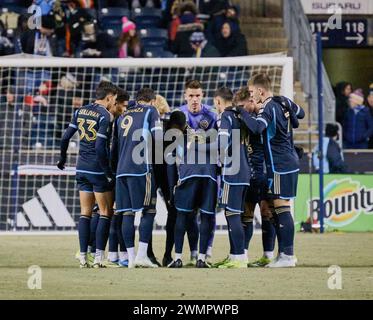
232 197
257 191
282 186
89 182
135 193
196 193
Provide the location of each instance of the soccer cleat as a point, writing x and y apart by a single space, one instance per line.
202 264
98 265
175 264
154 260
192 262
283 261
112 264
262 262
123 263
84 265
166 261
90 258
225 260
234 264
144 263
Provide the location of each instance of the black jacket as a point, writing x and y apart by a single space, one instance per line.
233 46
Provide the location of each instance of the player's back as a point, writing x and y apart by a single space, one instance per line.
91 121
278 140
134 139
256 154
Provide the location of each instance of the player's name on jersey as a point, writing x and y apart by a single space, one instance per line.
89 113
139 109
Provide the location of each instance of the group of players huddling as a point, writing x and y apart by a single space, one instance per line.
200 160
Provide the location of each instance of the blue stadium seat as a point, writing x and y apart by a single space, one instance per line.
147 17
112 17
154 37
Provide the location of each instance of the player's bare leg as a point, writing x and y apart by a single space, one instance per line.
87 202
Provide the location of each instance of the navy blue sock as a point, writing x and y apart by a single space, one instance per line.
180 228
128 229
192 231
170 230
278 234
146 226
231 244
237 233
248 229
113 236
84 232
268 235
211 239
102 232
286 229
118 228
92 238
206 228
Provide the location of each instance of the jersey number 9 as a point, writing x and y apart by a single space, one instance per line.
126 124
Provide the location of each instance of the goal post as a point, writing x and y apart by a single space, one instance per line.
39 96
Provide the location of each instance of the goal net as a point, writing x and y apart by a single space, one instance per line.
39 96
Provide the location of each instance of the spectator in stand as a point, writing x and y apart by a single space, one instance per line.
201 46
229 14
231 44
333 156
182 26
370 106
342 92
358 122
41 42
129 42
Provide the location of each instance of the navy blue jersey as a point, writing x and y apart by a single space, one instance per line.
256 155
280 154
93 122
233 142
133 140
196 158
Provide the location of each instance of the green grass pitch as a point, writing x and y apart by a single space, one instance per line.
62 279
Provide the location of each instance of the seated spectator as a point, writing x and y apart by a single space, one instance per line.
202 47
129 42
358 123
41 42
231 44
370 106
213 7
342 92
333 161
230 15
187 18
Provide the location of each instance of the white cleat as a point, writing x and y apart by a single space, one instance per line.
283 261
144 263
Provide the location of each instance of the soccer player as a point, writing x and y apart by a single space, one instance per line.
93 173
118 258
282 162
196 189
257 191
199 117
135 186
233 148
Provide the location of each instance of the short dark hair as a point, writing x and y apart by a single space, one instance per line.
193 84
331 130
122 95
104 89
145 94
261 80
225 93
177 120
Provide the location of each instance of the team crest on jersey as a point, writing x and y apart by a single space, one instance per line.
204 124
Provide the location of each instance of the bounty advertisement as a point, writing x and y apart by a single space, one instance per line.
348 201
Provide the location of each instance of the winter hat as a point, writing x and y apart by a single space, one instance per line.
127 25
197 37
357 97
